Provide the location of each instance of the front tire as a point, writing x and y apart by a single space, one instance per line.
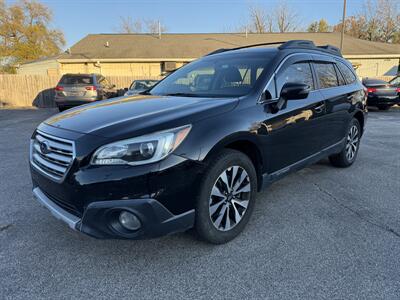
227 196
349 153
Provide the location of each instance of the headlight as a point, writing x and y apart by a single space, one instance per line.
141 150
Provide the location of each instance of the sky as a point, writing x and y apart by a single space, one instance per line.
77 18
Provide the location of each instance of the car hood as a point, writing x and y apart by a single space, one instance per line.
140 114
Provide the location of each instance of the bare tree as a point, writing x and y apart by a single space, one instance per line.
281 18
154 26
129 25
378 21
286 18
260 20
388 12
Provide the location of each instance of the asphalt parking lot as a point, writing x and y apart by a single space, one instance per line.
319 233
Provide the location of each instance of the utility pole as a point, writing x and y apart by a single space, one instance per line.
343 25
159 29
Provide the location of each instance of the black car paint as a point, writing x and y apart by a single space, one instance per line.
386 94
284 141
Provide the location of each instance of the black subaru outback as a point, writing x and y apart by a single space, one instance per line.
194 150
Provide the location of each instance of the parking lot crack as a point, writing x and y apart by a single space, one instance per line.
355 212
5 227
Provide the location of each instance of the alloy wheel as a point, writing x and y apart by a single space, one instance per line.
229 198
352 143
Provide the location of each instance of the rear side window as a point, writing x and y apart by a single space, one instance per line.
76 79
340 77
297 73
347 73
326 75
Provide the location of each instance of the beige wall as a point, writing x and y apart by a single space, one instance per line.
46 67
114 69
375 67
52 67
367 67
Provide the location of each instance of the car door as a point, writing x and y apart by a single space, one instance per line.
295 131
338 98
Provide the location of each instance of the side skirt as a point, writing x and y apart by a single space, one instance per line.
312 159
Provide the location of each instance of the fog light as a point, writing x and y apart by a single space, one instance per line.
129 221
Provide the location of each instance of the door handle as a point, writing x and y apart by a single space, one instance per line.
320 108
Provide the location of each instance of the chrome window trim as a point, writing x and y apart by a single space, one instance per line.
41 170
259 100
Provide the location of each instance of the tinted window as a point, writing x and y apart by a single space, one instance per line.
326 75
347 73
142 84
340 77
299 72
215 76
76 79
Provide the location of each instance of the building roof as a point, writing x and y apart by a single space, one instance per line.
191 46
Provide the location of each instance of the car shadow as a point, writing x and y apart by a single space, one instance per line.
45 99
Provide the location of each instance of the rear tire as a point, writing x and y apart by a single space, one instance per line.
348 155
227 196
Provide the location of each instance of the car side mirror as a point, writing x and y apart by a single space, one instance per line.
294 91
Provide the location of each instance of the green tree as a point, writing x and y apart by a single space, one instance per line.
313 27
323 26
319 26
25 34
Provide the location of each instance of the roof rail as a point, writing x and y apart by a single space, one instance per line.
293 44
297 44
243 47
305 44
331 49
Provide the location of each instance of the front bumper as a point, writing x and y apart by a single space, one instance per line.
100 218
67 103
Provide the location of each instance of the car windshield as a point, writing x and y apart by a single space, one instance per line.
76 79
142 84
215 76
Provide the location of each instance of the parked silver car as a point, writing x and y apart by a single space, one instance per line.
138 86
77 89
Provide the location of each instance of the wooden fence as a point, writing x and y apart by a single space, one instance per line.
38 90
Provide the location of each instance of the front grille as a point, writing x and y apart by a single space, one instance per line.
51 155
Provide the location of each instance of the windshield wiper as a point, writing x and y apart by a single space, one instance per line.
146 92
182 94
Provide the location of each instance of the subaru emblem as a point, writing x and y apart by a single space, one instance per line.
44 147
